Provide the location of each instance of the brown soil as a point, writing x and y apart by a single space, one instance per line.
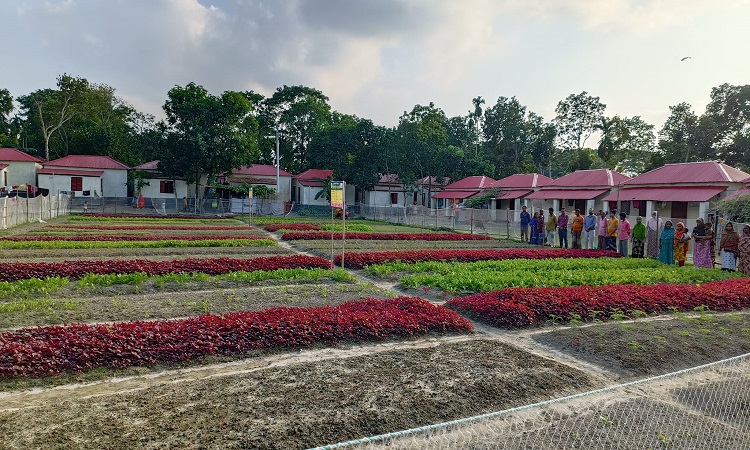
650 347
323 248
140 253
299 405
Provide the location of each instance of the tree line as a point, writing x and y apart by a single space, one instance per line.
206 134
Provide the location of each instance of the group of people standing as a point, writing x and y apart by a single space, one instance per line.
735 247
655 239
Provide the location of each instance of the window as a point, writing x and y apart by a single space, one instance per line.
166 187
394 198
76 183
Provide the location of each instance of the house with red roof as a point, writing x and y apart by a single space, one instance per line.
427 188
161 186
264 175
17 168
85 176
512 190
306 185
388 191
681 192
456 192
582 189
741 192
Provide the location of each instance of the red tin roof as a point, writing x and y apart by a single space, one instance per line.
263 170
88 162
741 192
434 180
512 194
3 166
455 194
522 180
151 165
590 178
473 182
306 178
566 194
73 172
668 193
695 172
15 155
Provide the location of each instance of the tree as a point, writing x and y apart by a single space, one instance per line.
577 117
7 138
677 137
728 118
52 108
541 137
505 131
207 135
475 121
351 147
626 143
296 113
420 148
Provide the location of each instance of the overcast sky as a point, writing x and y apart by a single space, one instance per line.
378 58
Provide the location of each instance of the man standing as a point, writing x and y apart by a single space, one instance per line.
525 221
653 230
576 228
562 227
551 227
624 234
589 229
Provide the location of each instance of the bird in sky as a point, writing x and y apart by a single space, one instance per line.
687 57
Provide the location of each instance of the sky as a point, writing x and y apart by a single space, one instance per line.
377 59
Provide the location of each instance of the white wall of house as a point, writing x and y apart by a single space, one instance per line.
153 189
114 183
61 183
385 198
19 172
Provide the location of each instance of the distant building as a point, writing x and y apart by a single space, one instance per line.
17 168
85 176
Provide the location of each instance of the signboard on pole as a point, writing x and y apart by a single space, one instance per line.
337 194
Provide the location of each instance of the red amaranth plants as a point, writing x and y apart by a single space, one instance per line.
519 307
159 216
360 260
301 235
151 227
211 266
292 226
129 237
55 350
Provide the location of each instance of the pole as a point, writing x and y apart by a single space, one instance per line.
278 183
343 225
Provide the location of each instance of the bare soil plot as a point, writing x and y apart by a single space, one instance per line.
323 247
300 405
647 347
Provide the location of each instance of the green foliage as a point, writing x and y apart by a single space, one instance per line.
33 287
737 210
358 227
481 200
487 276
315 274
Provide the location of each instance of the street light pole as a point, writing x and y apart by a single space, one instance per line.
278 182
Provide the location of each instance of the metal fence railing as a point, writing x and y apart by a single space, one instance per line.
705 407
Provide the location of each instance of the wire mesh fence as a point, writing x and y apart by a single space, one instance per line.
705 407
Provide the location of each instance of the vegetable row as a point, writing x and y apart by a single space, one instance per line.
473 277
317 235
363 259
521 307
75 348
210 266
